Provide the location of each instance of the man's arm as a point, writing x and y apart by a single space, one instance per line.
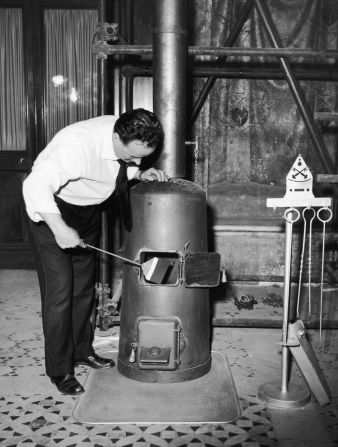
65 236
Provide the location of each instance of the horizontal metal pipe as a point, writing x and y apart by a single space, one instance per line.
268 324
327 178
220 51
319 74
256 323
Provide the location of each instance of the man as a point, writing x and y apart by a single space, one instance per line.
77 171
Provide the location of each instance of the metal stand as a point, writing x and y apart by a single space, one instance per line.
285 395
276 394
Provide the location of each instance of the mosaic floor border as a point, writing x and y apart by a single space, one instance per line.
46 421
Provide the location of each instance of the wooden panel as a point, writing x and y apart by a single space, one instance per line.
11 212
15 250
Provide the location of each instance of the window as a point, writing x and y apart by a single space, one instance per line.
12 81
70 68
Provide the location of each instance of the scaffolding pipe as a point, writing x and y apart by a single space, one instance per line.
129 92
103 259
223 52
243 73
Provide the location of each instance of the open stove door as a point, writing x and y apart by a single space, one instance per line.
201 269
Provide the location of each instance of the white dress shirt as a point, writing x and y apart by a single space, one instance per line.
79 165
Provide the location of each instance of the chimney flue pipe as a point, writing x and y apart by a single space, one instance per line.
169 81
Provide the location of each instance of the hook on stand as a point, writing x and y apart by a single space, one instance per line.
324 221
302 256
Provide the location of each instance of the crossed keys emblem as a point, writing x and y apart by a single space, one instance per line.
296 173
302 170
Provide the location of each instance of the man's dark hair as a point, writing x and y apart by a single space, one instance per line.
139 124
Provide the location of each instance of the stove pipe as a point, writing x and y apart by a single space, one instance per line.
169 81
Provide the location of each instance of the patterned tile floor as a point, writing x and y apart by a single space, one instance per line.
33 413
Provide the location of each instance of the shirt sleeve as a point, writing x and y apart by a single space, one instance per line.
38 196
132 171
55 166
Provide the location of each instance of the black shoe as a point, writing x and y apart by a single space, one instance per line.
67 384
96 362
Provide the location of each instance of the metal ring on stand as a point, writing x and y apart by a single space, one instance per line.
324 208
309 209
289 210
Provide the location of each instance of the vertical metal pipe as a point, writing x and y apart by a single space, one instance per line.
102 65
229 42
129 91
129 11
169 81
101 111
295 88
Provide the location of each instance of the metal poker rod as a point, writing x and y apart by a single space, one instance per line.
115 255
154 270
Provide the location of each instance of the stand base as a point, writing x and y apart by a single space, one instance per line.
295 397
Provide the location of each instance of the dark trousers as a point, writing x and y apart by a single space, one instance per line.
67 285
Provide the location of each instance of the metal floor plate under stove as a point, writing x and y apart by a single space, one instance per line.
113 398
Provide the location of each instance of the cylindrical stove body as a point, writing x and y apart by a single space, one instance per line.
165 328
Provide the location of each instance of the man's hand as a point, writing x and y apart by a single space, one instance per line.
152 174
65 236
68 238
